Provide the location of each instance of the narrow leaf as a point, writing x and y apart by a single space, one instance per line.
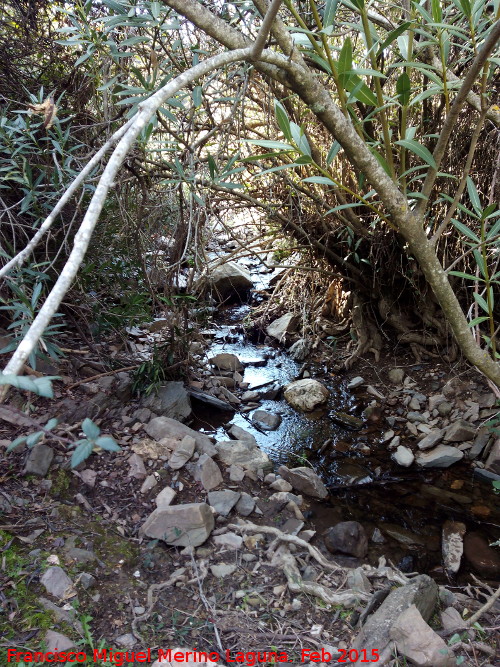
403 88
419 150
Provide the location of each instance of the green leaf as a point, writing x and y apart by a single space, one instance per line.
360 91
419 150
344 65
481 301
52 423
212 167
329 13
467 276
15 443
283 121
34 438
394 34
90 429
82 452
155 10
403 88
115 6
332 153
478 320
265 143
108 443
437 12
320 180
465 230
197 96
474 196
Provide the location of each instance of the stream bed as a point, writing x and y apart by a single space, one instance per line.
402 509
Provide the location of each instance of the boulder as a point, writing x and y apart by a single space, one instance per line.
452 545
244 454
165 427
422 592
223 501
208 472
493 461
460 431
180 525
229 280
306 394
300 350
171 400
305 480
226 362
266 420
348 537
183 451
284 325
442 456
403 456
418 642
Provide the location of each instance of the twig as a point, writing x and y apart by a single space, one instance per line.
486 607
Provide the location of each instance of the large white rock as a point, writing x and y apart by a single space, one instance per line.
229 279
284 325
180 525
306 394
418 642
453 545
403 456
244 454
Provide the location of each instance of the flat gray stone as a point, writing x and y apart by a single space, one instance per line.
222 570
165 497
229 279
137 469
56 582
180 525
422 591
245 505
166 427
239 433
243 454
283 326
418 642
355 382
171 400
39 460
430 440
266 420
493 461
304 480
460 431
208 472
183 451
443 456
55 641
223 501
300 350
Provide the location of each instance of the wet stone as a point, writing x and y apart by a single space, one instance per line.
348 421
348 537
483 558
266 420
355 383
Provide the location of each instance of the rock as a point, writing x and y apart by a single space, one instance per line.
281 484
375 392
300 350
396 375
57 583
347 421
226 362
222 570
137 468
229 279
483 558
150 449
452 545
243 454
223 501
356 382
422 592
306 394
165 427
358 581
403 456
284 325
208 472
171 400
418 642
61 615
282 498
348 537
38 461
183 451
165 497
216 402
452 620
250 396
305 480
180 525
55 641
149 483
435 400
229 540
444 408
239 433
430 440
459 431
87 580
266 420
236 473
493 461
245 504
442 456
401 535
126 641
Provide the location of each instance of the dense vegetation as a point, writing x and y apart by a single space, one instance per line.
367 134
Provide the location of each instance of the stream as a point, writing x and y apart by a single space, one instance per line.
402 509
